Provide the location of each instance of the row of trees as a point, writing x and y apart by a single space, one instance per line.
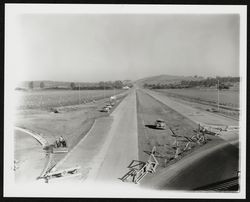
224 83
31 85
101 85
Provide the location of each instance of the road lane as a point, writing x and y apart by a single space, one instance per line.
124 146
109 146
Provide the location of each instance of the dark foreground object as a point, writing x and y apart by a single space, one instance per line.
231 184
214 168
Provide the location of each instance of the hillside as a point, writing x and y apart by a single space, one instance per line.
166 79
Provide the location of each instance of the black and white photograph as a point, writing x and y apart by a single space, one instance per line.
125 101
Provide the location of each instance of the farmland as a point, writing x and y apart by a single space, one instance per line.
46 99
226 97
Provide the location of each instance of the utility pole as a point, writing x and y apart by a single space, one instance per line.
104 92
79 93
218 95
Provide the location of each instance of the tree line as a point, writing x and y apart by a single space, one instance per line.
97 86
102 85
224 83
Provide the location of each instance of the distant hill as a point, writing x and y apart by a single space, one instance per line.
166 79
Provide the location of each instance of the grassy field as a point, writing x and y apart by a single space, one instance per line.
226 97
45 99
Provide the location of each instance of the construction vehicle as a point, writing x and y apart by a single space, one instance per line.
160 124
109 106
60 146
139 169
105 109
112 98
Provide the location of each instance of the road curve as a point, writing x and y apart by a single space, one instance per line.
35 135
30 164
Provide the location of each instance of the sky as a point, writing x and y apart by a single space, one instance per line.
102 47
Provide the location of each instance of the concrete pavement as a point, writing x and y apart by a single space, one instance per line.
124 146
111 144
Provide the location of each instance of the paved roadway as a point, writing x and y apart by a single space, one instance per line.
124 146
112 143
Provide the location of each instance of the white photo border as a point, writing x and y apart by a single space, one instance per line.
12 11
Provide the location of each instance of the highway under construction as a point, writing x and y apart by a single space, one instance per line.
195 150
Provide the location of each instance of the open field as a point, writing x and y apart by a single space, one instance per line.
46 99
226 97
